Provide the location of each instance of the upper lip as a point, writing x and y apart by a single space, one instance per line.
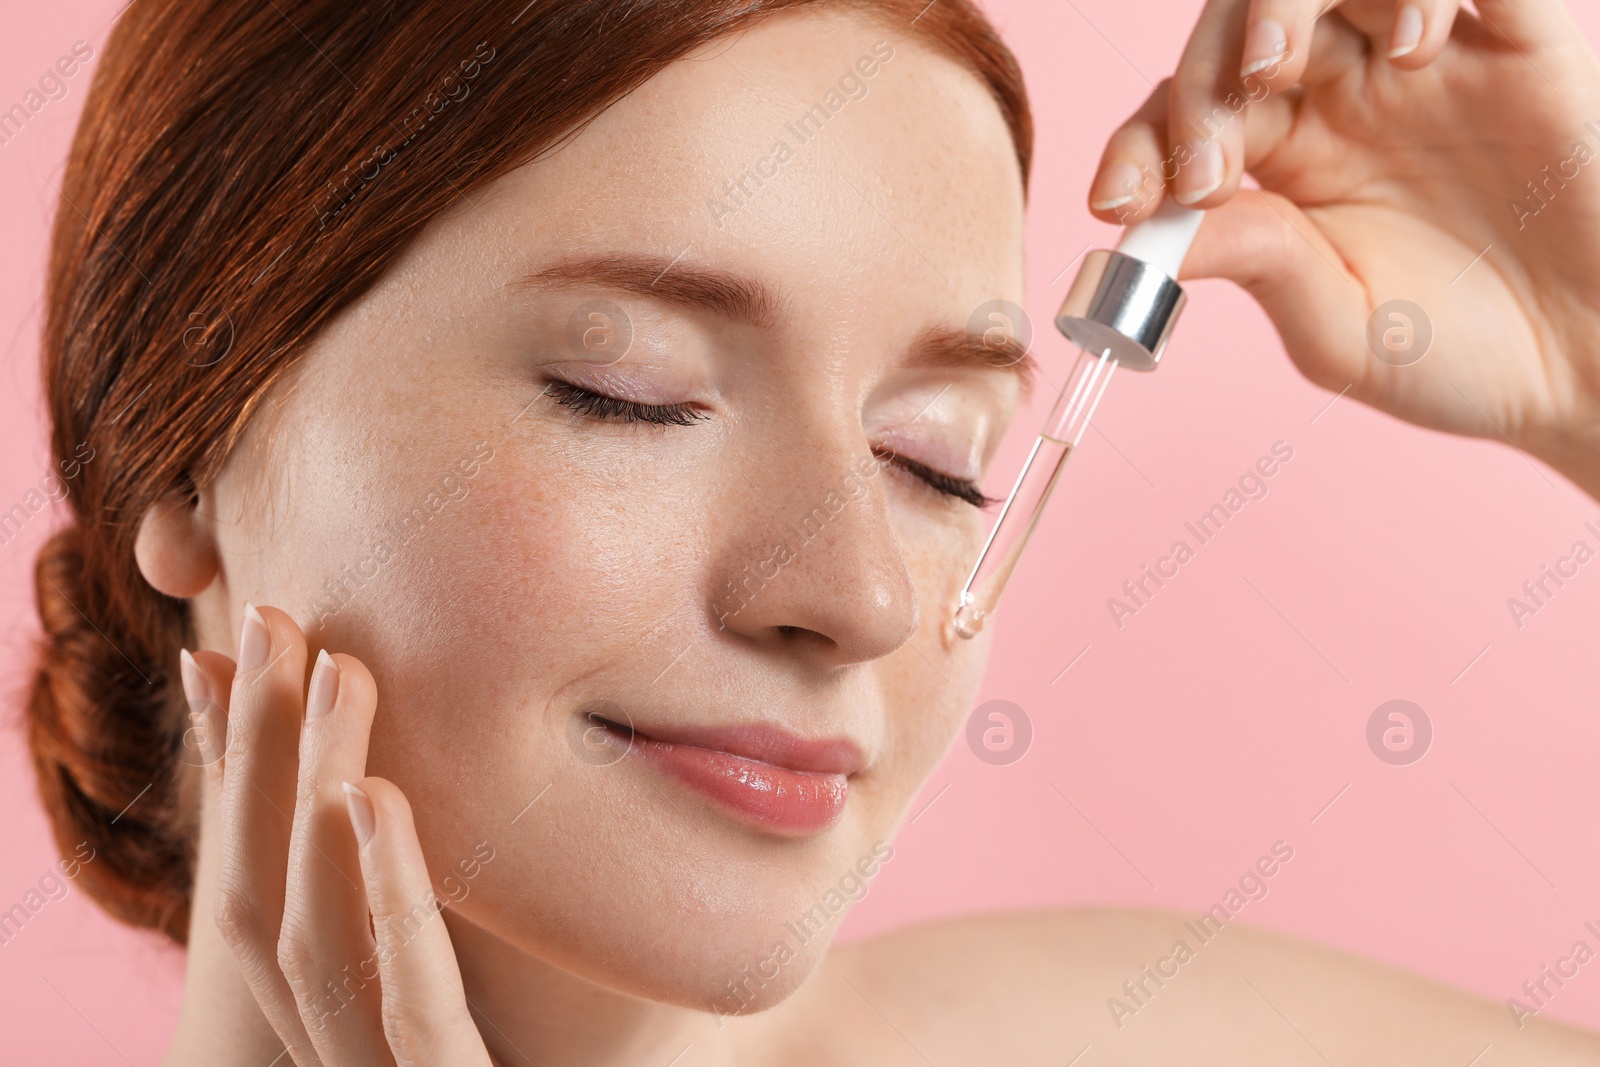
763 742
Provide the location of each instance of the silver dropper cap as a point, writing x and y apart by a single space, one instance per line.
1127 300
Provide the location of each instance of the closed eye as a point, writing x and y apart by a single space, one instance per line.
606 408
958 488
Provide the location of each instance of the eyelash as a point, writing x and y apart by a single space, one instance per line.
957 488
613 409
605 408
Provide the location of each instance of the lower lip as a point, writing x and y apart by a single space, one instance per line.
776 799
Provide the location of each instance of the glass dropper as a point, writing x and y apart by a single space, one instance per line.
1119 312
1069 417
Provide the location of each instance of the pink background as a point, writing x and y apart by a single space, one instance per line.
1223 717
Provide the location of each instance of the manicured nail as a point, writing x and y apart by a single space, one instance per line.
1407 31
324 688
1202 175
195 688
362 820
1263 46
254 640
1117 185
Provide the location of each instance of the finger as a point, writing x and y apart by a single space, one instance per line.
1155 149
424 1006
1131 179
1135 167
1319 45
1276 41
257 797
1273 250
207 679
1337 50
1205 130
325 947
1412 34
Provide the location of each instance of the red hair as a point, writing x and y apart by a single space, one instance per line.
241 173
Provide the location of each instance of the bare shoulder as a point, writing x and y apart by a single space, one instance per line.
1131 985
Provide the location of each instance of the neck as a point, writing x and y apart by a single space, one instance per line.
532 1011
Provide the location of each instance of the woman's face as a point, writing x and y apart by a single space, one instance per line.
768 259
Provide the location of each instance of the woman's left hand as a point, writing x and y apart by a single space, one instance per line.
1388 203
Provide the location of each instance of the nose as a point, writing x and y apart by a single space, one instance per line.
816 567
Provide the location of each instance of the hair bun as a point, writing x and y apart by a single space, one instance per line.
104 735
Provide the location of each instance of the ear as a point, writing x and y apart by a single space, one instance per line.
176 548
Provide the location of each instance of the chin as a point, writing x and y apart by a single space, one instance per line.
658 895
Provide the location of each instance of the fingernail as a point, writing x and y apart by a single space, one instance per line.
1263 46
1202 175
324 687
1407 31
1117 185
362 820
195 688
254 640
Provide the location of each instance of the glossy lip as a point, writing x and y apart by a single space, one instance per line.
764 777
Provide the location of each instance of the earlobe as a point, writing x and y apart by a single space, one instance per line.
176 550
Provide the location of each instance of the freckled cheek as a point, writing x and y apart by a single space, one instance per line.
576 562
527 583
928 705
939 553
925 713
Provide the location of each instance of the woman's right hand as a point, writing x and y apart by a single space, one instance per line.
307 860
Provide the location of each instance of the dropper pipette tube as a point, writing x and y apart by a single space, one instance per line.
1069 418
1119 311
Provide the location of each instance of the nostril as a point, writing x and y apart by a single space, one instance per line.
786 630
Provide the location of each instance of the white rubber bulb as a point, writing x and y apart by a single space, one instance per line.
1163 239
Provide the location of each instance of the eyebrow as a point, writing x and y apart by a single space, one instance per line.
742 299
950 346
